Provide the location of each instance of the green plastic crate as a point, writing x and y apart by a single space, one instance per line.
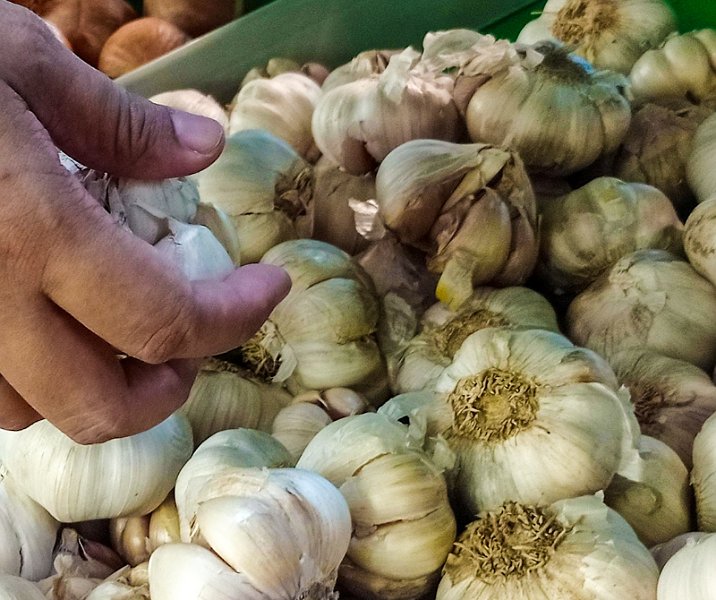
332 31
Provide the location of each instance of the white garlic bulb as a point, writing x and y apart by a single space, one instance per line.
219 223
194 101
650 300
700 239
124 476
358 123
17 588
687 574
699 166
573 549
282 105
610 34
363 65
702 475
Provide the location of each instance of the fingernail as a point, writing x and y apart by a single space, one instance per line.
200 134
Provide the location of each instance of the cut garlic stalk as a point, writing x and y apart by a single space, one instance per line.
572 549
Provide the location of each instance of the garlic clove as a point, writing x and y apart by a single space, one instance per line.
130 537
297 424
164 524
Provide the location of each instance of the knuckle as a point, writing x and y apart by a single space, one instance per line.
170 334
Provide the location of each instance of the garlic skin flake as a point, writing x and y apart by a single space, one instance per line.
282 105
125 476
574 549
553 109
649 300
689 573
610 34
586 231
195 102
358 123
531 418
699 166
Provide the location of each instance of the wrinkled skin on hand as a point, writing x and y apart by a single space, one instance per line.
76 288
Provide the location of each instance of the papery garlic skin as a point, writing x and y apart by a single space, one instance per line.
444 330
283 106
687 573
555 111
219 223
610 34
531 418
574 549
363 65
699 166
702 475
263 185
125 476
195 102
357 124
682 67
588 230
700 239
657 501
17 588
649 300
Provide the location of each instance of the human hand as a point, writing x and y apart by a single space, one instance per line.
76 287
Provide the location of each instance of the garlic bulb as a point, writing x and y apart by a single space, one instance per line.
699 166
687 573
586 231
657 146
283 106
700 240
125 476
531 418
219 223
649 299
610 34
444 330
362 66
573 549
27 533
17 588
274 66
296 424
357 124
553 109
682 67
662 553
224 451
224 396
194 101
333 220
195 250
143 207
657 501
263 185
283 532
702 475
470 205
321 335
403 526
672 398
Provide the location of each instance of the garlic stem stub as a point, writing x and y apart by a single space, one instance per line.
551 107
572 549
610 34
649 299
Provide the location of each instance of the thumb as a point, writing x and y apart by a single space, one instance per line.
100 124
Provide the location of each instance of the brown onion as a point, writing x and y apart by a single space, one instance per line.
195 17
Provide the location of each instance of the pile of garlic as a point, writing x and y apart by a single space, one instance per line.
493 374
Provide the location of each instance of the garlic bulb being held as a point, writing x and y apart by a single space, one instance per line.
225 396
219 223
648 299
656 502
551 107
471 206
572 549
124 476
682 67
403 526
195 102
687 573
282 105
263 185
672 398
586 231
699 166
610 34
357 124
531 418
444 330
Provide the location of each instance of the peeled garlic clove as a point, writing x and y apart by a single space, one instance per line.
130 536
282 105
574 548
649 299
611 34
357 124
17 588
164 524
125 476
194 101
586 231
686 574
